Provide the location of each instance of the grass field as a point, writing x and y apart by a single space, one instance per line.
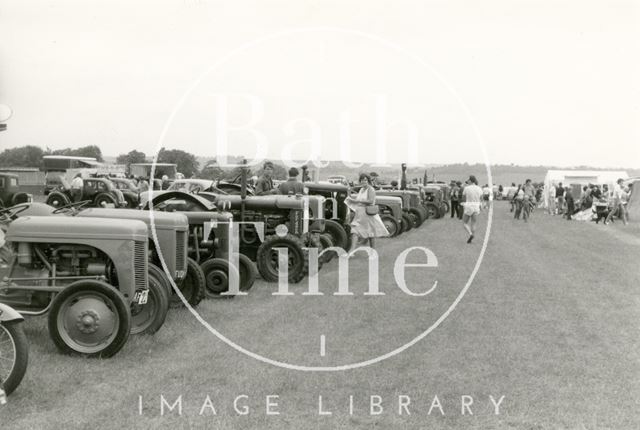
550 323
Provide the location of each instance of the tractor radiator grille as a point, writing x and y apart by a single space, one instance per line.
140 265
180 250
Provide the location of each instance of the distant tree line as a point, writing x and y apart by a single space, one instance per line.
31 155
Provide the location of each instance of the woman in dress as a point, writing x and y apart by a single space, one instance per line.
365 225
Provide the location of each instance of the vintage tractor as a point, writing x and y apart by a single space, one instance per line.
171 246
101 192
89 275
209 239
336 213
10 193
433 200
414 214
129 190
14 350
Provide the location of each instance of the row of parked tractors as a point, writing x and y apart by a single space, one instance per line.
101 274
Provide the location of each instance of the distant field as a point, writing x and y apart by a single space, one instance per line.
550 323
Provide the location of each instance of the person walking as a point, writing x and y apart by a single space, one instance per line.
472 196
455 199
366 223
292 185
518 200
528 200
77 184
618 203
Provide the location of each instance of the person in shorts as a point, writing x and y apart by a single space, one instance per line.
472 196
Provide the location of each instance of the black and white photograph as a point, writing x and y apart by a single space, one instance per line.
320 214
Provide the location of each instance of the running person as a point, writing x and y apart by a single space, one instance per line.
472 196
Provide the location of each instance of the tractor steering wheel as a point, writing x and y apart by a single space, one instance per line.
10 213
72 207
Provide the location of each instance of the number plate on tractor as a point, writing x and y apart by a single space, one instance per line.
141 297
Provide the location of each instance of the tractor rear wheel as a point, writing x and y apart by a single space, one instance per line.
392 225
57 200
148 318
407 223
416 217
338 234
192 286
90 318
268 258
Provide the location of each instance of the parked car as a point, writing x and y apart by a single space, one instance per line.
129 190
99 191
10 193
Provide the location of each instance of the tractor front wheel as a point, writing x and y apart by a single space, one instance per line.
192 286
90 318
268 258
148 318
391 224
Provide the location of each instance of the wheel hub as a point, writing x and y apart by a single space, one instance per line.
88 322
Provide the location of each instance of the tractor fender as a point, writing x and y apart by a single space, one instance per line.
8 314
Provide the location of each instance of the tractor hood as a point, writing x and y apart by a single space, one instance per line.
161 220
260 202
326 186
52 228
37 209
389 200
200 217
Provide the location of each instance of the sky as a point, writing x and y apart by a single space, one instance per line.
433 82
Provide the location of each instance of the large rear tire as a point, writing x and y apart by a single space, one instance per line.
14 351
338 234
407 222
417 217
267 258
192 286
90 318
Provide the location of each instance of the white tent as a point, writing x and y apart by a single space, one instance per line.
581 177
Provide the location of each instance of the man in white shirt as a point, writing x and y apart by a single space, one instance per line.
472 196
618 203
76 187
